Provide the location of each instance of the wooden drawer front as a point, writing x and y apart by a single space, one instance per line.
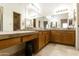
29 37
9 42
35 36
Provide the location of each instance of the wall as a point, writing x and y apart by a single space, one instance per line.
77 28
1 18
8 15
8 22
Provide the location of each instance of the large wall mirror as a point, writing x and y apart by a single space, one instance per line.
1 18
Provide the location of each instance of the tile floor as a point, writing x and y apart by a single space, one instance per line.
58 50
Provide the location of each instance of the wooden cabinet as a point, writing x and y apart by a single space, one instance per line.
43 38
56 36
47 36
63 36
9 42
4 43
68 37
40 40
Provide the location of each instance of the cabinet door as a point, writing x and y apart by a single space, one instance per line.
43 38
40 40
56 36
46 37
69 37
52 36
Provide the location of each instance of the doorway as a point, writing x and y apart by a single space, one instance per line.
16 21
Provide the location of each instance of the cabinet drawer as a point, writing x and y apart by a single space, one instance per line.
34 36
9 42
29 37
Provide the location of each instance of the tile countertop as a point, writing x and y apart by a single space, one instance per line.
53 29
16 32
5 35
62 29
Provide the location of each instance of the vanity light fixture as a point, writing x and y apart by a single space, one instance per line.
62 10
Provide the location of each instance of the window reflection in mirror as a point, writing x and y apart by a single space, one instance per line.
64 23
70 22
34 23
39 24
45 24
51 24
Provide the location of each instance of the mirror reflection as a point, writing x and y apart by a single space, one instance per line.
22 16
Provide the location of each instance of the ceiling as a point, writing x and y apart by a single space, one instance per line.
44 9
47 8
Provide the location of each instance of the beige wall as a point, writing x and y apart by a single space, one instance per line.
8 9
8 23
